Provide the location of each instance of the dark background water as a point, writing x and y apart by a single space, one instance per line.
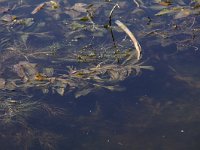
159 110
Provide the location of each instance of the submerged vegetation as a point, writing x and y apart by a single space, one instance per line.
69 48
15 118
100 69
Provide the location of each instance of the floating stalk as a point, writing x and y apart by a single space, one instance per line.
132 37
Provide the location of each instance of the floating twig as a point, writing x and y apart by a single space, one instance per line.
111 12
110 22
138 5
132 37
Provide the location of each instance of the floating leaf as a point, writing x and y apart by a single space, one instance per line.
114 88
59 86
167 3
4 9
10 85
84 18
60 90
76 26
26 70
26 21
48 72
24 37
39 77
45 91
168 11
54 5
183 13
83 92
80 7
2 83
38 8
158 7
8 18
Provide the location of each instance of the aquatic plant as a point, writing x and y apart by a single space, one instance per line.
16 112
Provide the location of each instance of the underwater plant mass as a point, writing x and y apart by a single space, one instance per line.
101 74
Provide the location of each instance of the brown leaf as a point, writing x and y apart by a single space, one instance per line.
38 8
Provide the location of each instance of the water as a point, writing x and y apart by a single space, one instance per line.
155 110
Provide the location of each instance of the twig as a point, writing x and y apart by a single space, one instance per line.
192 23
110 22
130 34
111 12
138 5
89 15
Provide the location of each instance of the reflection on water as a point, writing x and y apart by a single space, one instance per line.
70 78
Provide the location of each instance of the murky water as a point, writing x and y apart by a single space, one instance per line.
68 80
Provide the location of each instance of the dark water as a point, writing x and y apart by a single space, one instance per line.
159 110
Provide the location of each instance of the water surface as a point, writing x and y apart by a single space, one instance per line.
150 109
